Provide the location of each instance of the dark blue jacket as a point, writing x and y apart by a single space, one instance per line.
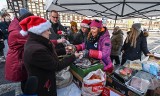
4 27
131 53
1 42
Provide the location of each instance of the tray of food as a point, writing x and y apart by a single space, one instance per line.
123 73
138 85
140 82
136 64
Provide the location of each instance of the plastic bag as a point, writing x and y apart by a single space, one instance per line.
154 83
64 78
93 83
83 63
151 67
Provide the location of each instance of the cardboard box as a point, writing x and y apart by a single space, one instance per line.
83 72
77 81
76 75
157 91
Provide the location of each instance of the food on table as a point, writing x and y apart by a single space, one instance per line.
136 66
125 71
122 72
128 70
94 76
139 83
135 82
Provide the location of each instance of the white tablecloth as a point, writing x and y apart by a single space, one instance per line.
71 90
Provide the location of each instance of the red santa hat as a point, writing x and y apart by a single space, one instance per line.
85 23
34 24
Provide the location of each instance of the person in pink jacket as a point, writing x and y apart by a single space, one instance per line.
98 45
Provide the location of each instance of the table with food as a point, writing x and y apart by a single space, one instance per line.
137 77
134 78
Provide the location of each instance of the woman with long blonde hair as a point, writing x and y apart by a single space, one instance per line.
134 44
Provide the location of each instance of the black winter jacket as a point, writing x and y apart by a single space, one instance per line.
41 60
131 53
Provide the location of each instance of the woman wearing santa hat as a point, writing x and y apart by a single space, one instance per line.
40 57
85 29
98 45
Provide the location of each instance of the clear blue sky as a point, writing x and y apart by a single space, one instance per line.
3 3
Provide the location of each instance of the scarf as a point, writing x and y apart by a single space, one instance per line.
93 39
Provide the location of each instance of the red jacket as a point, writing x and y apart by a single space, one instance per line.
14 67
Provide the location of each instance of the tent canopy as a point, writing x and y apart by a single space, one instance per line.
112 9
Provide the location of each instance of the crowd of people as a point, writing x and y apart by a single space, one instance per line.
31 46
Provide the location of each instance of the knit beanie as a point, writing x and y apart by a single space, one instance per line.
24 13
73 23
96 23
137 26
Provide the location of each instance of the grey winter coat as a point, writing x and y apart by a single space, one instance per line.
117 42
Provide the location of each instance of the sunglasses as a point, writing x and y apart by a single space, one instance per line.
54 17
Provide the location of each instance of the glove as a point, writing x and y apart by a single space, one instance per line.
85 53
62 40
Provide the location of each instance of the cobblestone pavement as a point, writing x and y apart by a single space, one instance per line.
13 89
7 88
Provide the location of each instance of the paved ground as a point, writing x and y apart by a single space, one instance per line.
11 89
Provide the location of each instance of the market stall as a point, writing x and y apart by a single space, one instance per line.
112 9
133 78
136 77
